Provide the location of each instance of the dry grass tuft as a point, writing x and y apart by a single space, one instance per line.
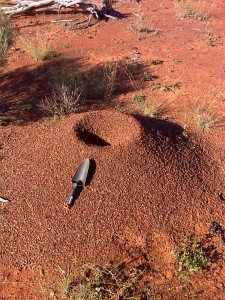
207 118
64 100
110 282
208 112
71 87
160 109
140 30
5 37
40 48
192 9
100 82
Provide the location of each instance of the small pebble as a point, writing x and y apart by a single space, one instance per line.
4 200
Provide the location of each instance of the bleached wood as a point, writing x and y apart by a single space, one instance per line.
23 6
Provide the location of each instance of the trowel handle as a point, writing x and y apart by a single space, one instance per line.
71 196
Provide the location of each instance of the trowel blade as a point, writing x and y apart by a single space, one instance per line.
81 174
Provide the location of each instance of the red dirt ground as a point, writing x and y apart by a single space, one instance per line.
154 184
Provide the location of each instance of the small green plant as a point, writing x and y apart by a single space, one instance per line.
139 98
192 257
5 37
211 42
146 76
26 107
119 105
39 48
159 109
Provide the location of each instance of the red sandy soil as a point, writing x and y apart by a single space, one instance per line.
154 182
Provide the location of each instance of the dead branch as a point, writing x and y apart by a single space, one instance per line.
26 6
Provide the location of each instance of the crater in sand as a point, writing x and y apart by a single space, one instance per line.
107 128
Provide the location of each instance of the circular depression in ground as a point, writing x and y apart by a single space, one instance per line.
107 128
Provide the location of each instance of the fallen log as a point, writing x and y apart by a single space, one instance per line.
24 6
28 6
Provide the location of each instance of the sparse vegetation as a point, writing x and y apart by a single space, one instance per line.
5 37
64 100
208 111
135 184
214 40
192 9
54 53
71 87
26 107
115 282
98 82
40 49
165 87
119 105
142 31
133 65
139 98
101 82
146 76
206 118
156 109
192 257
211 42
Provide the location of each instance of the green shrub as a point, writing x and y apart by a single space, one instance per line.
26 107
192 256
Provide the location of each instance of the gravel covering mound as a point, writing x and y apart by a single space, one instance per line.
150 183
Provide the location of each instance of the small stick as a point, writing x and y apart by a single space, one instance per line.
137 15
56 21
111 17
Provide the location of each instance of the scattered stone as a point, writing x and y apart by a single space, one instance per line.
3 200
51 294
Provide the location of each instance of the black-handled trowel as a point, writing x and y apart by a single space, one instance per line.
79 179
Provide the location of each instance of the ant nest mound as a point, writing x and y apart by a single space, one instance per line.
107 128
